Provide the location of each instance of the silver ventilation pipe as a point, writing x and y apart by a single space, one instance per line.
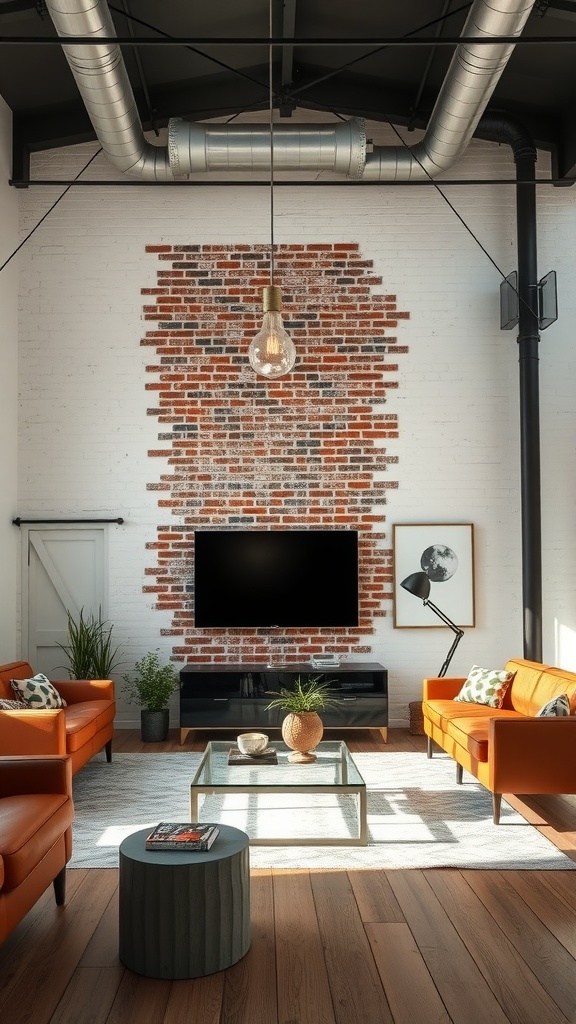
103 83
473 75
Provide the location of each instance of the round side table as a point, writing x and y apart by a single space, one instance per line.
184 915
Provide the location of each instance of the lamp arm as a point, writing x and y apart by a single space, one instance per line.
455 643
445 619
455 629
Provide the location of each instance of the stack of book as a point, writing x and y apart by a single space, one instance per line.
268 756
183 836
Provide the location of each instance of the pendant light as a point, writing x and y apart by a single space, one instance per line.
272 352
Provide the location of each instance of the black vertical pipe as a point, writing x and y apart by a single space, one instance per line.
502 129
528 344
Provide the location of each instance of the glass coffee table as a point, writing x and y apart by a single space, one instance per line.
334 773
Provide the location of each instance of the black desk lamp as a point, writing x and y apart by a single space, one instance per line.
419 585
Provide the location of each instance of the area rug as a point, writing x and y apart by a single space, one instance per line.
418 817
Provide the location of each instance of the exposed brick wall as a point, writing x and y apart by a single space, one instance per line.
307 450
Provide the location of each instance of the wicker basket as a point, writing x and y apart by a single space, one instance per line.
416 718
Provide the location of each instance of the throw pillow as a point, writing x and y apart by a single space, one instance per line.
555 708
485 686
11 705
38 692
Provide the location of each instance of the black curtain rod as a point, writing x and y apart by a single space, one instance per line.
283 41
18 521
134 183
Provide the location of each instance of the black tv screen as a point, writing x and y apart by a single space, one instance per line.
275 578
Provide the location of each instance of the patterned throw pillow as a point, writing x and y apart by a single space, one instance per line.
485 686
556 708
37 692
11 705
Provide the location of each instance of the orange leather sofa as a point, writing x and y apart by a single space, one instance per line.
36 814
80 730
508 750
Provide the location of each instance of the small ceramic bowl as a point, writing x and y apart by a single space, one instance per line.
252 743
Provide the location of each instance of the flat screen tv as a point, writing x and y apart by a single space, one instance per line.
251 578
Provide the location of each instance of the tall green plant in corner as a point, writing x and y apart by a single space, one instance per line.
90 652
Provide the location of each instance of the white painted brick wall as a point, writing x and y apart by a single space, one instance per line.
84 432
9 402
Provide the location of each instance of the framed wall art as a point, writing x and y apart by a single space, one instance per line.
444 552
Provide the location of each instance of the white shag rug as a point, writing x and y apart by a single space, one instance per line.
418 817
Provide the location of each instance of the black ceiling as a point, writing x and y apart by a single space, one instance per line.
198 80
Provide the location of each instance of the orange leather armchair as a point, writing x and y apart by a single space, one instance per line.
36 815
81 729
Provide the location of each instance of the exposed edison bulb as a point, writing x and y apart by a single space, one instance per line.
272 352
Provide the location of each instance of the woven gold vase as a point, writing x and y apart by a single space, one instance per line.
302 731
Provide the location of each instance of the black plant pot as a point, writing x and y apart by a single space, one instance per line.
154 725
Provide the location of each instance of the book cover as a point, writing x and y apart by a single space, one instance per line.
182 836
268 756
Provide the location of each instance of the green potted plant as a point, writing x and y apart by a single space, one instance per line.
89 650
151 685
302 728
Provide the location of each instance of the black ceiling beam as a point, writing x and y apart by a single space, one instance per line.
288 183
412 41
288 29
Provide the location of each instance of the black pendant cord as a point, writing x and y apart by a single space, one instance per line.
49 211
271 119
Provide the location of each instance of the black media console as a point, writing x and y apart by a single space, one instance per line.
235 697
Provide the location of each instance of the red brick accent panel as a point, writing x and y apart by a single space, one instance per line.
307 450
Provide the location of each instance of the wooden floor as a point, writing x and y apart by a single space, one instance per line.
328 947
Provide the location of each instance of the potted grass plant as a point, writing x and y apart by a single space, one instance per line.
151 685
302 728
90 651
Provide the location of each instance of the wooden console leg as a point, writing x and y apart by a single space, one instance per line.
184 734
496 802
384 734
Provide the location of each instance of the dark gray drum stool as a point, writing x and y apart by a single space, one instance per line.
184 915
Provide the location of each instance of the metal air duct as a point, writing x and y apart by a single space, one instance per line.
101 77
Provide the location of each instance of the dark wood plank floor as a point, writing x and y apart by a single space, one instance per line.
328 947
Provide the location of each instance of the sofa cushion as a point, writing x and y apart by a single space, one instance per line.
485 686
471 734
84 720
30 824
535 684
555 708
38 692
440 712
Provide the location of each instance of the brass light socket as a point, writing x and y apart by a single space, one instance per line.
272 299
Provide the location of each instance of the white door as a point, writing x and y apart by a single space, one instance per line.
65 570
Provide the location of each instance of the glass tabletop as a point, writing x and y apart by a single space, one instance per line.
333 767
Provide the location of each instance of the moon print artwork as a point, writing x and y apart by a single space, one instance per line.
439 563
445 553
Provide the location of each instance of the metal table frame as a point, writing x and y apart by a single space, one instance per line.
355 788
